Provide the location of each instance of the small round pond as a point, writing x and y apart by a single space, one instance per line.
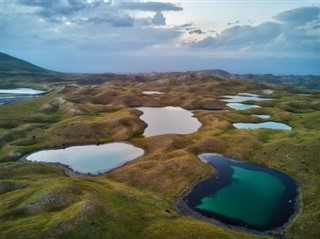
89 159
168 120
242 194
267 125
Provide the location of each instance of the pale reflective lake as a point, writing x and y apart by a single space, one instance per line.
23 91
263 116
267 125
149 92
91 159
168 120
240 106
241 97
11 95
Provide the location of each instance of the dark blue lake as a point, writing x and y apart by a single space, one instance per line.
244 194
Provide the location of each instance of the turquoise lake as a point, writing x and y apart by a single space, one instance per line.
168 120
240 106
305 94
244 194
266 125
91 159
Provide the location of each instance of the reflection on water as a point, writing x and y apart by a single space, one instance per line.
168 120
149 92
239 106
241 97
268 125
12 95
91 159
263 116
23 91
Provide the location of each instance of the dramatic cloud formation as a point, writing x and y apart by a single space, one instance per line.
294 32
138 35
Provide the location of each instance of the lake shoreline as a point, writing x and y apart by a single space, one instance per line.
73 173
278 233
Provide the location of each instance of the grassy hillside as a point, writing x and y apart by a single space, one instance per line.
138 199
16 73
11 66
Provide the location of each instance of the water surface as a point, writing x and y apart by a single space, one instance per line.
12 95
21 91
5 99
263 116
91 159
168 120
241 97
302 94
150 92
268 125
239 106
244 194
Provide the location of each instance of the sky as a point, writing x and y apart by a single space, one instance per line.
95 36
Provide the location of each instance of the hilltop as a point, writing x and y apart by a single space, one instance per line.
15 73
11 66
24 73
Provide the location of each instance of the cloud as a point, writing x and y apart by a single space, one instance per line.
233 23
197 31
158 19
149 6
74 27
246 35
48 9
81 30
98 12
191 28
300 16
113 20
295 32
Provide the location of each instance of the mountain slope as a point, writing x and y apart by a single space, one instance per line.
11 66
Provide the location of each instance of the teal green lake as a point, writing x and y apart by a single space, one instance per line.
240 106
262 196
91 159
244 194
266 125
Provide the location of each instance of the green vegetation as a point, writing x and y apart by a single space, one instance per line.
138 199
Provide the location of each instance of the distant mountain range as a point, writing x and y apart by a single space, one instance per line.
14 68
308 81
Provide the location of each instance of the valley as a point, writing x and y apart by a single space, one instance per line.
138 199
